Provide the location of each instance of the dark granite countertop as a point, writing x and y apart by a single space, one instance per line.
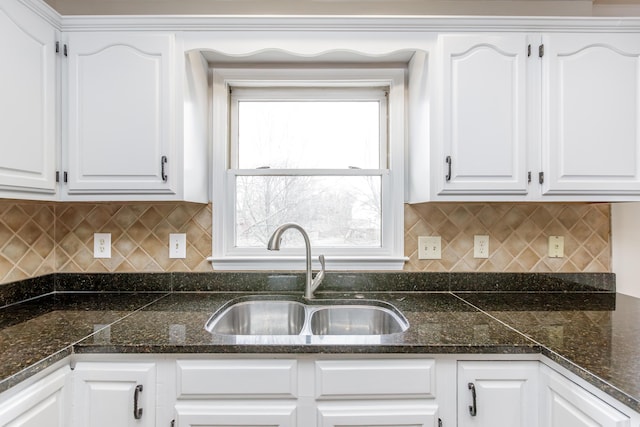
593 333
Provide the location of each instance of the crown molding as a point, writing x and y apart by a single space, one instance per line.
44 11
347 23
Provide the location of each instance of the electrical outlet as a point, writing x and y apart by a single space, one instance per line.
556 246
177 245
429 247
480 246
102 245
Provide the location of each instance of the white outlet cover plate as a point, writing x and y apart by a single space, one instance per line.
429 247
480 246
556 246
102 245
177 245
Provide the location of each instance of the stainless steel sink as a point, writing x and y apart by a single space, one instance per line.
259 318
356 320
273 316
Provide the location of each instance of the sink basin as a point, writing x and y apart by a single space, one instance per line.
272 316
259 318
356 320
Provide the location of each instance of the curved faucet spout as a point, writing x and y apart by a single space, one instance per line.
274 245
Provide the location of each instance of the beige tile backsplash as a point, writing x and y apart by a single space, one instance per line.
40 238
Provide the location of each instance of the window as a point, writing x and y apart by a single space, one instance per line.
322 148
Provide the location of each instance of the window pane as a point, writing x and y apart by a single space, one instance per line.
335 211
309 134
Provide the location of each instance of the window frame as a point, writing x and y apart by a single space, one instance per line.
390 256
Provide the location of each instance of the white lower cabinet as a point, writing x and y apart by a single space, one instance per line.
108 394
42 404
368 393
374 414
566 404
306 392
310 391
237 392
236 414
498 394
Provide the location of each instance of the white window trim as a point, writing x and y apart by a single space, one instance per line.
391 255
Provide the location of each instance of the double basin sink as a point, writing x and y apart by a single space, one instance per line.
273 315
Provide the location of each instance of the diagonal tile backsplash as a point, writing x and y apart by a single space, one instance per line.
139 236
38 238
518 236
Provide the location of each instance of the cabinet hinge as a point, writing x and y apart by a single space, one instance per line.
541 50
529 50
529 177
541 177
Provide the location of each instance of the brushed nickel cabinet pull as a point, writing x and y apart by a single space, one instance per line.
137 412
448 176
163 175
473 410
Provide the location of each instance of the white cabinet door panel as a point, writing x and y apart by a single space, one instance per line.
376 413
120 122
505 394
566 404
235 414
105 394
40 405
591 96
484 115
28 104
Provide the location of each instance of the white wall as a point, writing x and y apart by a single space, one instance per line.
625 239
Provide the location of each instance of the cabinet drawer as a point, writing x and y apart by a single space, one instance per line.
233 378
352 378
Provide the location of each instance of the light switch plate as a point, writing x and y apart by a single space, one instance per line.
429 247
556 246
102 245
177 245
481 246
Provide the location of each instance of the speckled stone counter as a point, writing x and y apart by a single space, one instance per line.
595 335
586 328
39 332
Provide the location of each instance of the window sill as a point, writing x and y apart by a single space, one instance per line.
333 263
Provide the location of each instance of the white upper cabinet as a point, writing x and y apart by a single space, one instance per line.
121 115
537 117
28 82
591 101
483 131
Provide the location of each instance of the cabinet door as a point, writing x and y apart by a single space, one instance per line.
120 114
376 413
591 100
40 405
566 404
236 414
28 103
108 394
483 136
498 394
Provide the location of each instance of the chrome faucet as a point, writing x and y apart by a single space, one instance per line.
311 284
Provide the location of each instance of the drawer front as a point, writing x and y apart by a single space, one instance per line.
396 378
235 378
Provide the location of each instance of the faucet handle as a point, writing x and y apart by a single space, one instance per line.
321 259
